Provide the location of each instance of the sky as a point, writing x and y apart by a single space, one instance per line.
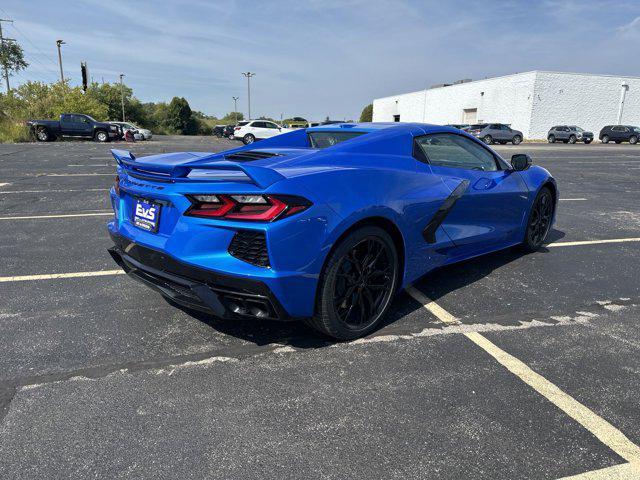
316 58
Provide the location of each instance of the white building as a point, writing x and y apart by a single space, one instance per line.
532 102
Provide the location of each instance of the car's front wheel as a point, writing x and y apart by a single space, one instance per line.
633 140
102 136
488 139
248 138
572 139
540 218
517 140
359 280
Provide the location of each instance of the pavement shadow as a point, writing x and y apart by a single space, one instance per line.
435 285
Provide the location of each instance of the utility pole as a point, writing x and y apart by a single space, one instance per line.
235 107
122 95
248 75
2 40
59 43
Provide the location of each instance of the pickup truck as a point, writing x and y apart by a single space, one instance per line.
73 125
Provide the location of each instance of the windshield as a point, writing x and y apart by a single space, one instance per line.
328 139
242 124
636 129
577 129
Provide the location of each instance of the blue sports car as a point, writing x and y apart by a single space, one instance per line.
323 224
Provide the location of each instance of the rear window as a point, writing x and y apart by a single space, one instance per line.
328 139
242 124
478 126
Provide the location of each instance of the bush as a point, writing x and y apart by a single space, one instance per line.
14 132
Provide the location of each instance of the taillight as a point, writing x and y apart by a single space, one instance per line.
264 208
116 185
236 128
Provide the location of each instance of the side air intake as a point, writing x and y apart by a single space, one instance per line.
250 155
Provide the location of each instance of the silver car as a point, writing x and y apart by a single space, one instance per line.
569 134
138 133
495 133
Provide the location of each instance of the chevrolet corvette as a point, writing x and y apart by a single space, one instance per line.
324 224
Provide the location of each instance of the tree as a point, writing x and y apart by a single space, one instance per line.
109 94
12 58
367 113
179 116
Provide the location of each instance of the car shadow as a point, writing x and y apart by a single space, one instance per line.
435 285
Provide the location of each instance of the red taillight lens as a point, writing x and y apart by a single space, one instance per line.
261 208
236 128
116 185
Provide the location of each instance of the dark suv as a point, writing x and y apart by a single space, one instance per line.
495 132
620 133
569 134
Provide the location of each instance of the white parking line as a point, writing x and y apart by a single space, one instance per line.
596 425
56 191
54 276
592 242
93 165
73 174
626 471
67 215
573 199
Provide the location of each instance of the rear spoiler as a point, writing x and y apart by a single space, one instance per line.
260 176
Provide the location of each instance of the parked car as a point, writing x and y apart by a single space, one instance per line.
218 130
495 132
459 126
620 133
73 125
138 133
254 130
228 131
569 134
321 224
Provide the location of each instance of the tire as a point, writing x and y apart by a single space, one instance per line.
539 222
618 142
343 315
605 139
633 140
551 139
572 139
516 140
42 135
487 139
101 136
248 139
587 142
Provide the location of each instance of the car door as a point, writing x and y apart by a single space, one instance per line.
271 129
257 129
506 132
85 127
492 199
561 133
616 133
68 125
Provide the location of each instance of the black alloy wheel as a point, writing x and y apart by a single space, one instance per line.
488 139
358 283
517 140
539 220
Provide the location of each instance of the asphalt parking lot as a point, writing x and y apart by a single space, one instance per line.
505 367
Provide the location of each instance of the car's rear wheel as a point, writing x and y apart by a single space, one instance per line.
572 139
248 138
552 139
517 140
42 134
102 136
540 218
359 280
605 139
633 140
488 139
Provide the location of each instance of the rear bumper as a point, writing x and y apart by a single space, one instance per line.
222 295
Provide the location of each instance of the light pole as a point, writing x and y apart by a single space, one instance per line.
235 107
59 43
248 75
122 95
2 40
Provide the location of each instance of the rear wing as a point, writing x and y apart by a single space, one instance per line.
195 170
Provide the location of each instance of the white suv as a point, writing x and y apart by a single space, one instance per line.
249 132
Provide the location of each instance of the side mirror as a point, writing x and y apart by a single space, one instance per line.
520 162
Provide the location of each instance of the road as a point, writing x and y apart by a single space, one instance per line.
508 366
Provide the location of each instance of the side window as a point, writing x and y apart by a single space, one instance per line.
270 125
66 118
456 151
